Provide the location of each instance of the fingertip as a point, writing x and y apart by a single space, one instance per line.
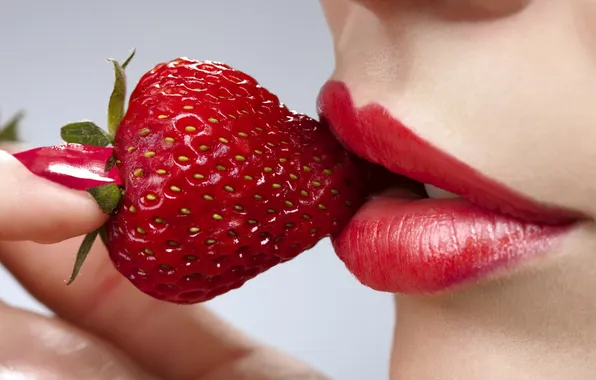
13 147
68 213
83 218
32 208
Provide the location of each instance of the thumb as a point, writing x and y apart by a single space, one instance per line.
32 208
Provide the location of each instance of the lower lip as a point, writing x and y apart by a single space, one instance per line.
400 243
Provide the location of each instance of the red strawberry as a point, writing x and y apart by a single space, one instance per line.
220 181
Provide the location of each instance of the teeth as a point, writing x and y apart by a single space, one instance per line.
437 193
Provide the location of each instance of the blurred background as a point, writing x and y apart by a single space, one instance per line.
53 66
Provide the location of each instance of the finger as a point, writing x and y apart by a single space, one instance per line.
32 208
11 147
39 347
175 342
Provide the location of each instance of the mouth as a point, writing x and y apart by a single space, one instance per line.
445 224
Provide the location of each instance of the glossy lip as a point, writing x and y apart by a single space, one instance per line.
429 245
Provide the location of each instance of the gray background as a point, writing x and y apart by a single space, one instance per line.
53 66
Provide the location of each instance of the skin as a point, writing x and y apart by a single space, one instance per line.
535 63
505 86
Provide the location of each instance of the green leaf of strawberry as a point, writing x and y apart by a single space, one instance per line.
82 254
9 131
118 97
110 164
127 61
107 197
85 132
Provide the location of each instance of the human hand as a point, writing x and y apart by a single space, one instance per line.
103 328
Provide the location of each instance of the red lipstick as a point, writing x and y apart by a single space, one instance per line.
398 243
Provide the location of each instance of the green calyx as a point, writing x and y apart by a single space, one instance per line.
107 197
118 97
88 133
9 132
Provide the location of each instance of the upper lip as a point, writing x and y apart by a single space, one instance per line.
401 151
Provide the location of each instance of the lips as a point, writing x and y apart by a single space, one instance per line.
401 243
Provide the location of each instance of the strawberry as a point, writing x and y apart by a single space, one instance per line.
218 180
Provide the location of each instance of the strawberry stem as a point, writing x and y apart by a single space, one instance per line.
9 131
